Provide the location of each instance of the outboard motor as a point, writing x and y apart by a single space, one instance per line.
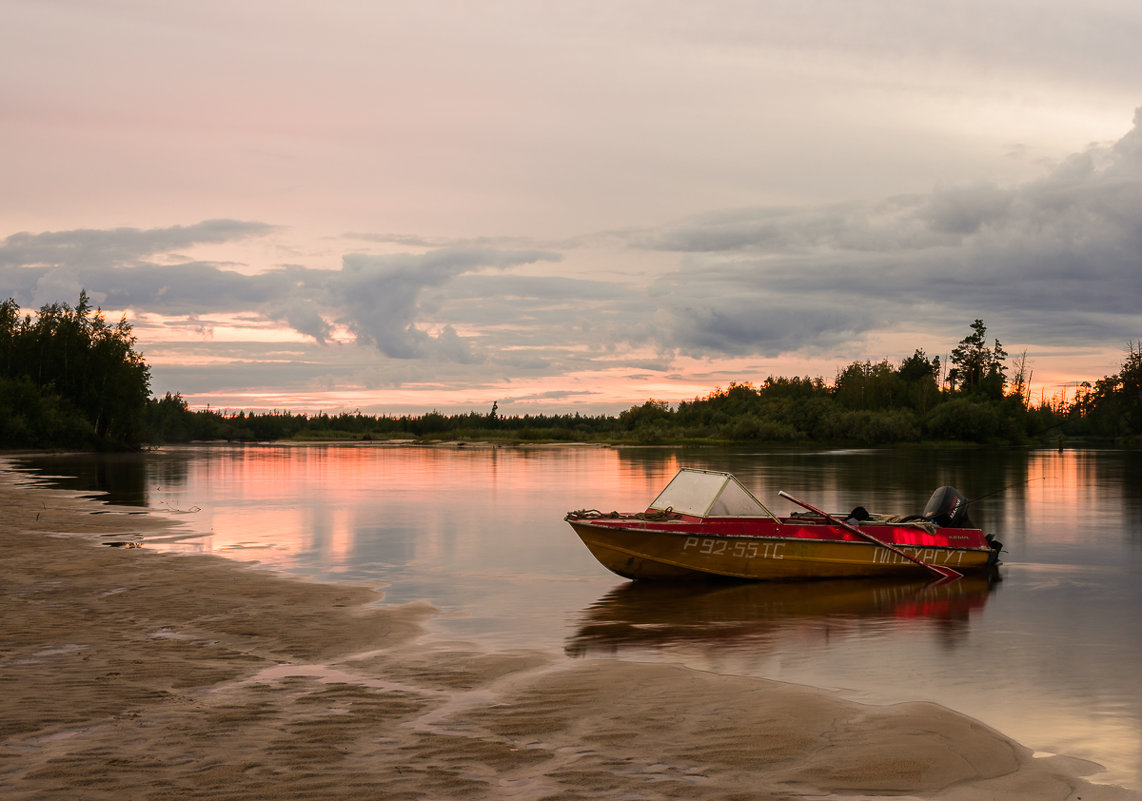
949 508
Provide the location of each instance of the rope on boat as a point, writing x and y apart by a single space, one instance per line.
595 514
589 514
665 514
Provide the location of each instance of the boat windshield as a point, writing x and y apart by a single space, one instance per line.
704 493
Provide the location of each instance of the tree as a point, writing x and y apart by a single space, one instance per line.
865 385
921 380
1021 383
1130 381
648 415
918 367
73 354
1113 406
978 368
9 325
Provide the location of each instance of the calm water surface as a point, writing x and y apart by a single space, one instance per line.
1051 654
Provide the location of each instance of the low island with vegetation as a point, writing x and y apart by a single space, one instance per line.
70 379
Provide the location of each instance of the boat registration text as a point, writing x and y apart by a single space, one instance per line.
741 548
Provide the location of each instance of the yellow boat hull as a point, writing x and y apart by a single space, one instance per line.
656 554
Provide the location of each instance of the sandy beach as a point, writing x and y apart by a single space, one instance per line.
130 674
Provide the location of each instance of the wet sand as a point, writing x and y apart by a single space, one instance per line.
126 673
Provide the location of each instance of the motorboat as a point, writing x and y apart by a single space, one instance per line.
707 524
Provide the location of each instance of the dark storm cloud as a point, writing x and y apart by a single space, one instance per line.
1054 259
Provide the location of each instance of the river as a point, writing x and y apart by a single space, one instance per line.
1049 654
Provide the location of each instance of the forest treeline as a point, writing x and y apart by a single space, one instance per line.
69 379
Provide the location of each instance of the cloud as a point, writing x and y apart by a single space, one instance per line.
962 211
555 394
1048 260
93 248
380 298
306 319
744 317
459 242
113 265
1055 261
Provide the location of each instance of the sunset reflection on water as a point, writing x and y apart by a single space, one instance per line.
1049 655
333 510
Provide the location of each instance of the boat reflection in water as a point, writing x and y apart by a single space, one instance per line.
652 615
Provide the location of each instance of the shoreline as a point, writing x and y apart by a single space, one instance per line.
128 672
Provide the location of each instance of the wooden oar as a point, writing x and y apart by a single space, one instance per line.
939 570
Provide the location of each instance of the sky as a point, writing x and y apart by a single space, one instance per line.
560 207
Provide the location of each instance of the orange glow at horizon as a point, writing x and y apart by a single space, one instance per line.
615 388
609 388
